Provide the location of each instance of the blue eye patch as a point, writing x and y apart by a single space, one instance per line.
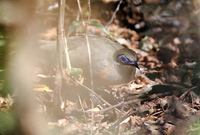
125 60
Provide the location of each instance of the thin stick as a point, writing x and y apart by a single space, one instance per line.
69 67
118 105
80 11
186 92
81 104
115 12
88 89
117 123
88 47
60 44
89 9
90 60
87 42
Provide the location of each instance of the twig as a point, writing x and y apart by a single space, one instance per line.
60 44
88 46
87 40
187 92
117 123
118 105
89 9
81 104
157 113
88 49
89 90
115 12
80 11
90 61
67 53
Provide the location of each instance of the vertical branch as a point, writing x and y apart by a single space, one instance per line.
89 9
60 55
89 48
61 40
80 12
67 54
87 41
90 61
20 15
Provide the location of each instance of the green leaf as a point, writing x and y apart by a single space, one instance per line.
100 26
76 72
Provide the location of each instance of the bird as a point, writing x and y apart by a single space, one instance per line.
107 60
112 63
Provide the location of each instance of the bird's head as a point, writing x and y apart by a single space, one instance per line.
124 59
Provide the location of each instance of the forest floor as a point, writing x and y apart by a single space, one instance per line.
164 99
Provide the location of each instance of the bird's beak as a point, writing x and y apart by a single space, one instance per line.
137 66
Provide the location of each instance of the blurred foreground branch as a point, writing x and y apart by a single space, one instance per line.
18 17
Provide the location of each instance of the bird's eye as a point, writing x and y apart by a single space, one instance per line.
123 59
